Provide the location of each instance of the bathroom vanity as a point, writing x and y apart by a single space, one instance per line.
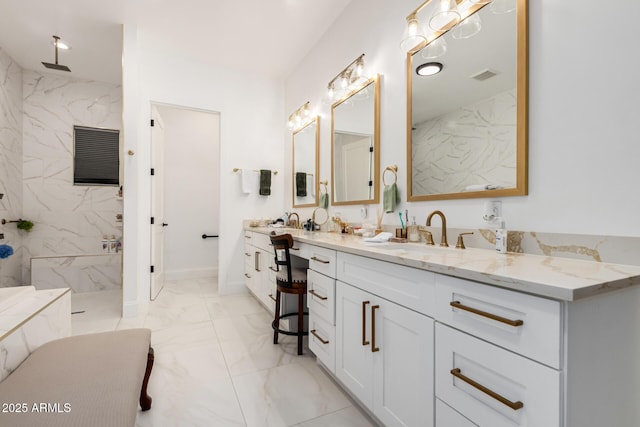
432 336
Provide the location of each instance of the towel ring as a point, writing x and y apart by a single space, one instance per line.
325 183
394 170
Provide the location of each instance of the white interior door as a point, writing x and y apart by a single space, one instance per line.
357 172
157 204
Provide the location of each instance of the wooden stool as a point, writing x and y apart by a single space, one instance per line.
289 280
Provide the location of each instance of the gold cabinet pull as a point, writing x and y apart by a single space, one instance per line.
247 254
513 405
312 292
313 332
458 305
257 261
273 269
271 296
247 276
247 237
373 328
364 323
319 260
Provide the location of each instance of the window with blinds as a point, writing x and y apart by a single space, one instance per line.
96 156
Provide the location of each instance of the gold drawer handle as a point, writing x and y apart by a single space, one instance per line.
364 322
271 296
273 269
458 305
373 329
312 292
313 331
247 237
246 254
320 260
247 276
513 405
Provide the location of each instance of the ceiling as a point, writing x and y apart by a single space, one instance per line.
266 36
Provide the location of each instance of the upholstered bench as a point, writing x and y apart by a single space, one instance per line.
86 380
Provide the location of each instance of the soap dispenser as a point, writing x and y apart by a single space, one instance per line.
501 236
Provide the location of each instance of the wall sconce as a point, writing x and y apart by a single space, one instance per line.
456 15
347 80
300 117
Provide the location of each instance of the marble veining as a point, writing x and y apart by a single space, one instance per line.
472 145
85 273
10 165
39 317
69 219
554 277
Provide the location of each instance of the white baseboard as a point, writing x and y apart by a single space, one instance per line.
232 288
191 273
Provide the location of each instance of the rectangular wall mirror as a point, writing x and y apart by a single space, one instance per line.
355 146
305 164
467 123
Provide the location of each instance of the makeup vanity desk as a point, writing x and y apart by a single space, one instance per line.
431 336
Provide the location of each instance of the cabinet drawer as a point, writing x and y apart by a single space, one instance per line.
525 324
321 291
447 417
530 392
322 341
262 241
322 260
406 286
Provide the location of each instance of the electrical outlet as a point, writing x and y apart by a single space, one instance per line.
492 210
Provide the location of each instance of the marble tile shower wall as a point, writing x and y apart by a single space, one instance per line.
69 220
475 137
10 165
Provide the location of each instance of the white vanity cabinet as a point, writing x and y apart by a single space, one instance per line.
260 268
384 351
321 289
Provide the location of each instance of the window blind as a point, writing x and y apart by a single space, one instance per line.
96 159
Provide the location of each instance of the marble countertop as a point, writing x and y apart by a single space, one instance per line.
553 277
25 303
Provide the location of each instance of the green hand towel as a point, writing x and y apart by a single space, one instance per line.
301 184
265 182
324 200
390 198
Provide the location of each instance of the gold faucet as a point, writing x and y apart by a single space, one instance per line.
443 238
291 223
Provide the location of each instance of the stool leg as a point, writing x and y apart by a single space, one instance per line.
300 321
276 321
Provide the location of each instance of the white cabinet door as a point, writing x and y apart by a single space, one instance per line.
354 359
402 365
384 356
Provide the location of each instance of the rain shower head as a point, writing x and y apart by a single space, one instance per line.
56 66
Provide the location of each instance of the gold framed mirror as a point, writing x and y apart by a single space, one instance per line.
467 125
305 146
355 146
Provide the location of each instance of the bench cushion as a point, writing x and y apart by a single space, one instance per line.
86 380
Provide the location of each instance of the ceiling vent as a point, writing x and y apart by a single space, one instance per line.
484 75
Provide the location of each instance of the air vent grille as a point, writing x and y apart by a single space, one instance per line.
484 75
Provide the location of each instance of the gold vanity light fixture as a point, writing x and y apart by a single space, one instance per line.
347 80
300 117
458 15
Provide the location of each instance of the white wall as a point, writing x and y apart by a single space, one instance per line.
191 191
583 113
252 129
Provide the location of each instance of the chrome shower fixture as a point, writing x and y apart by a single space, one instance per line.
56 66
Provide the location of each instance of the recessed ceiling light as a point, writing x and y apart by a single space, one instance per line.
429 69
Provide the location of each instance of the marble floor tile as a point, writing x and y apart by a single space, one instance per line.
245 356
287 395
348 417
215 364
